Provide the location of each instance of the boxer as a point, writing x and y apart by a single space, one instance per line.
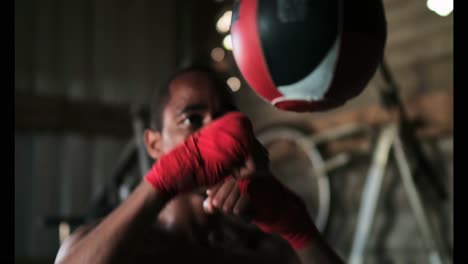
210 195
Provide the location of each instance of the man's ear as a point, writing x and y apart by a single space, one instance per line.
153 142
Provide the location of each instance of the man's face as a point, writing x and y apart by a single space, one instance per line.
194 102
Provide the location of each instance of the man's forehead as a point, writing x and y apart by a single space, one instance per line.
193 91
193 79
184 95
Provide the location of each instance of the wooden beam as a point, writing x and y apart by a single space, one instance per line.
419 31
434 110
405 11
425 75
413 52
40 113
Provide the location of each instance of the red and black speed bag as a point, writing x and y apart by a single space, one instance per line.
308 55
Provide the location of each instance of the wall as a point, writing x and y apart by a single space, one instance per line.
114 52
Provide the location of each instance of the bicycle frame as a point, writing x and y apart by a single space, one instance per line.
397 138
389 142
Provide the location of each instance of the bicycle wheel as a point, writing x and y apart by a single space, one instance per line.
300 167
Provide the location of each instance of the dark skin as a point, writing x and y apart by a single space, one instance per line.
151 227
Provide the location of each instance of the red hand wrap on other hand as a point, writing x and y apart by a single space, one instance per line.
278 210
205 157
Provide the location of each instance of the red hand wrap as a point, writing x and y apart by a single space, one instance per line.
205 157
278 210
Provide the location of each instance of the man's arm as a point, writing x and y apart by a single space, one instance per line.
280 211
273 208
203 159
109 240
269 251
318 252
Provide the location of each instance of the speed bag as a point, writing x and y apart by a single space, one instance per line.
308 55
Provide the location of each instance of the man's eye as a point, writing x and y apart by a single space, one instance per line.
194 121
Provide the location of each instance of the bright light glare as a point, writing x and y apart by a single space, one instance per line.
234 83
441 7
224 22
227 42
217 54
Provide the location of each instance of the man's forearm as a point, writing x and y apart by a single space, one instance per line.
318 251
110 240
